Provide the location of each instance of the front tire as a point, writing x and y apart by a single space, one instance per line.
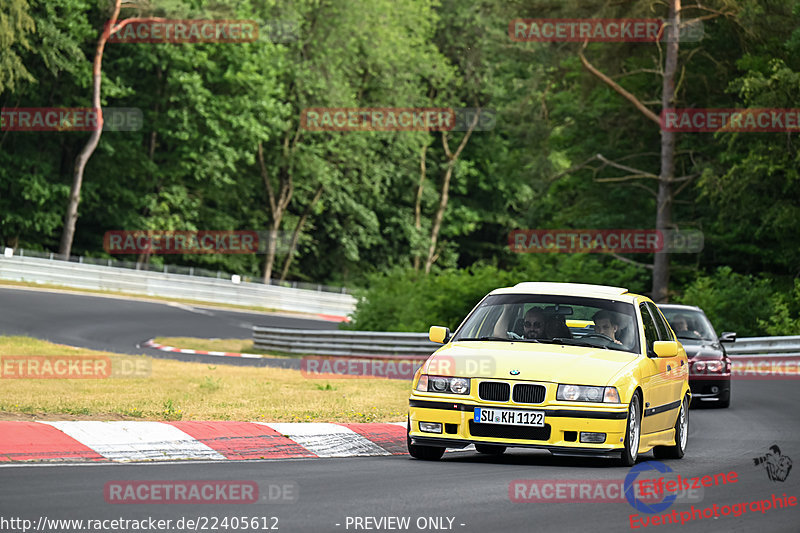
418 451
681 436
633 432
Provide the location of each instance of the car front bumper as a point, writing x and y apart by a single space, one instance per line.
560 434
710 389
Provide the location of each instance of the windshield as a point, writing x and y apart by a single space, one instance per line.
690 325
568 320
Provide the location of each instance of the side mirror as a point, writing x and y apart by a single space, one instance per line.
439 334
727 336
665 348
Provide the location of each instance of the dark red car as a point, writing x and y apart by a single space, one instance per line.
709 364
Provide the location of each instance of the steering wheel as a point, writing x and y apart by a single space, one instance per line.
604 337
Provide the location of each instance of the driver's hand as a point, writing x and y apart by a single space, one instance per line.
514 335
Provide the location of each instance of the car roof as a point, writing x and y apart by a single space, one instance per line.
680 306
568 289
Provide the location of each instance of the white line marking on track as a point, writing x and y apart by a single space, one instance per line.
190 309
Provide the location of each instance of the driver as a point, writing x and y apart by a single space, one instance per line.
681 326
534 325
605 324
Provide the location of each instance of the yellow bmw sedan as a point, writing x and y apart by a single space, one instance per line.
574 369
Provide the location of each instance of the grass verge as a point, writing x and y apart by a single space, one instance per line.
177 390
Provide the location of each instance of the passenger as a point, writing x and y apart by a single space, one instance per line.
605 323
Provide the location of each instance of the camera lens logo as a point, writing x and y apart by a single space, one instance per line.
777 466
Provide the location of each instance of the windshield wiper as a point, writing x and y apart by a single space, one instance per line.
693 338
486 338
578 342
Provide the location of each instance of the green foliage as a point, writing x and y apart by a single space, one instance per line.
404 300
732 301
785 318
15 26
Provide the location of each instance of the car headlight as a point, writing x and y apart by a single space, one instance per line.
713 367
442 384
583 393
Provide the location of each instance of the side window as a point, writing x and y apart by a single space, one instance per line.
664 333
650 331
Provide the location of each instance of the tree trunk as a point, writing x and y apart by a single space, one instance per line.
437 218
144 257
418 202
452 158
271 245
665 195
277 207
297 229
71 217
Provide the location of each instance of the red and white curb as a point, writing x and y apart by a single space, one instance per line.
164 348
216 441
333 318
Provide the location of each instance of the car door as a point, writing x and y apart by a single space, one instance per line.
656 387
676 367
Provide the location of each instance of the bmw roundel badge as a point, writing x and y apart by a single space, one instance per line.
514 372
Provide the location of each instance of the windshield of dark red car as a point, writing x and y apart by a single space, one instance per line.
690 325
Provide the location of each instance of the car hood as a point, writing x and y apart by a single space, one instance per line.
702 350
529 361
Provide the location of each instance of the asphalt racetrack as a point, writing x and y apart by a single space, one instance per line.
462 492
120 326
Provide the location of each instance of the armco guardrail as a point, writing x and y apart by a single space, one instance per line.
345 343
382 343
765 347
147 283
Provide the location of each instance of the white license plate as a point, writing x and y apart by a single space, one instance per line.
509 417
